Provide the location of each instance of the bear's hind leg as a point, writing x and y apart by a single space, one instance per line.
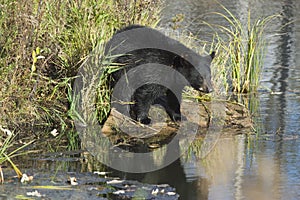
173 106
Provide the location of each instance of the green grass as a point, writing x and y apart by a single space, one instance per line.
240 52
42 45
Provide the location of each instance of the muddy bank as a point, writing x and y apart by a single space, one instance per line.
228 117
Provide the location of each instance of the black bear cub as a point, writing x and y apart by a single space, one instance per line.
153 65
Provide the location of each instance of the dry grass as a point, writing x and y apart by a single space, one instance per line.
42 44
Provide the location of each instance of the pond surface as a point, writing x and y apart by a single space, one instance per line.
266 166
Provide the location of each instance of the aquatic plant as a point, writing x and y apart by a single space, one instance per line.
8 150
241 50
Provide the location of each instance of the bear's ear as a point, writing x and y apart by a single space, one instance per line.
212 55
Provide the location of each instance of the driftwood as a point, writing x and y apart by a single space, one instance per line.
121 123
236 117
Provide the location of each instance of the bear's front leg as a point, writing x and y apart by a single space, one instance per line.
141 112
142 102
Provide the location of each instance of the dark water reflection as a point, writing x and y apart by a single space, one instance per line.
239 167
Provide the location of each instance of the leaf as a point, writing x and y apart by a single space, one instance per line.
38 50
18 172
33 68
33 54
52 187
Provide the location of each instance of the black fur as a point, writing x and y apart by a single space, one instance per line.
126 49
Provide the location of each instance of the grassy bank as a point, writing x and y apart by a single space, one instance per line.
42 44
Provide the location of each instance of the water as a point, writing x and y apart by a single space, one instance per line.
241 167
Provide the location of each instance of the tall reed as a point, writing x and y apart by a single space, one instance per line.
241 50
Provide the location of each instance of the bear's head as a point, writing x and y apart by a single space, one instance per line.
196 69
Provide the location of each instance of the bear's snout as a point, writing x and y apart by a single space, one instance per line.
206 88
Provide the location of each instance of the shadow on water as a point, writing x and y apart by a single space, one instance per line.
175 175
